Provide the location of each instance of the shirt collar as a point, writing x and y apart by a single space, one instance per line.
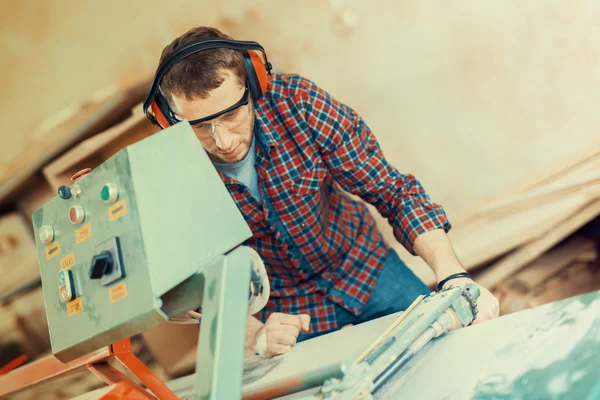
264 129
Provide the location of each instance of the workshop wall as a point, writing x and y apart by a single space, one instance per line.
468 96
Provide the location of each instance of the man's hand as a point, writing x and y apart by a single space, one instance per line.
278 335
435 248
487 304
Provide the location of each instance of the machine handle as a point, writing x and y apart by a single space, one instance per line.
102 264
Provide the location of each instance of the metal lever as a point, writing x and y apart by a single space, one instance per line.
101 264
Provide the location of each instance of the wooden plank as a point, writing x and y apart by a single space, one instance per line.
25 319
573 280
34 195
92 152
483 241
578 279
18 255
569 171
556 170
588 185
174 346
521 257
553 262
54 137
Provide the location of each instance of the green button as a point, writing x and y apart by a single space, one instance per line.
105 193
61 278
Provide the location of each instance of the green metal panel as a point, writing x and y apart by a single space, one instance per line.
220 357
174 217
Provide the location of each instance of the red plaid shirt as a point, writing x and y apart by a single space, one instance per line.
319 245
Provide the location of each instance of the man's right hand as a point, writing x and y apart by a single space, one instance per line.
278 335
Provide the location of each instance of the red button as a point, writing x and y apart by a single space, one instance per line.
76 214
73 215
63 294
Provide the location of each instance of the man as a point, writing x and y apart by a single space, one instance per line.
286 160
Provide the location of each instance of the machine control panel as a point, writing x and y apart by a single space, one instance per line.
112 246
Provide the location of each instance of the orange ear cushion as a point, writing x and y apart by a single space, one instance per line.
259 68
159 115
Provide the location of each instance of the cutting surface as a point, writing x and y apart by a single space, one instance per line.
549 352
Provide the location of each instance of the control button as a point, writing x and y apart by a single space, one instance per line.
102 264
64 192
109 193
46 233
65 285
76 191
76 214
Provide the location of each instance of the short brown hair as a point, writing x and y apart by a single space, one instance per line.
198 74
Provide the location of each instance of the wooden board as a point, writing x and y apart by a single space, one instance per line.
578 279
575 249
174 347
18 255
484 241
33 195
517 260
573 280
92 152
24 321
74 124
560 172
589 185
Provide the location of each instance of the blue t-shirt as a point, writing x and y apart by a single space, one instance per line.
243 170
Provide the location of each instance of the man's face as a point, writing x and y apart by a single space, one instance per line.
226 138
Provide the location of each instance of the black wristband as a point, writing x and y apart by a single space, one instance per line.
453 276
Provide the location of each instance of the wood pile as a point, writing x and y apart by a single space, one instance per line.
18 255
511 238
92 152
530 245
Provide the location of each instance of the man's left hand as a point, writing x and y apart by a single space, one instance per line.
487 304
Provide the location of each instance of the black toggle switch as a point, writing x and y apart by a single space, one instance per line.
101 264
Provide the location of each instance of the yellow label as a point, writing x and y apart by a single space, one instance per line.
53 250
118 292
117 210
83 233
67 261
74 306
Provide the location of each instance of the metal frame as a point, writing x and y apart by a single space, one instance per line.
50 367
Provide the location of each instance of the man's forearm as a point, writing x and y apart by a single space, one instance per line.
435 248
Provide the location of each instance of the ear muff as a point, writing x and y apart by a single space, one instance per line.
160 108
257 75
158 114
258 71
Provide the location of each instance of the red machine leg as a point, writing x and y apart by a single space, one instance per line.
122 351
50 367
45 369
111 375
